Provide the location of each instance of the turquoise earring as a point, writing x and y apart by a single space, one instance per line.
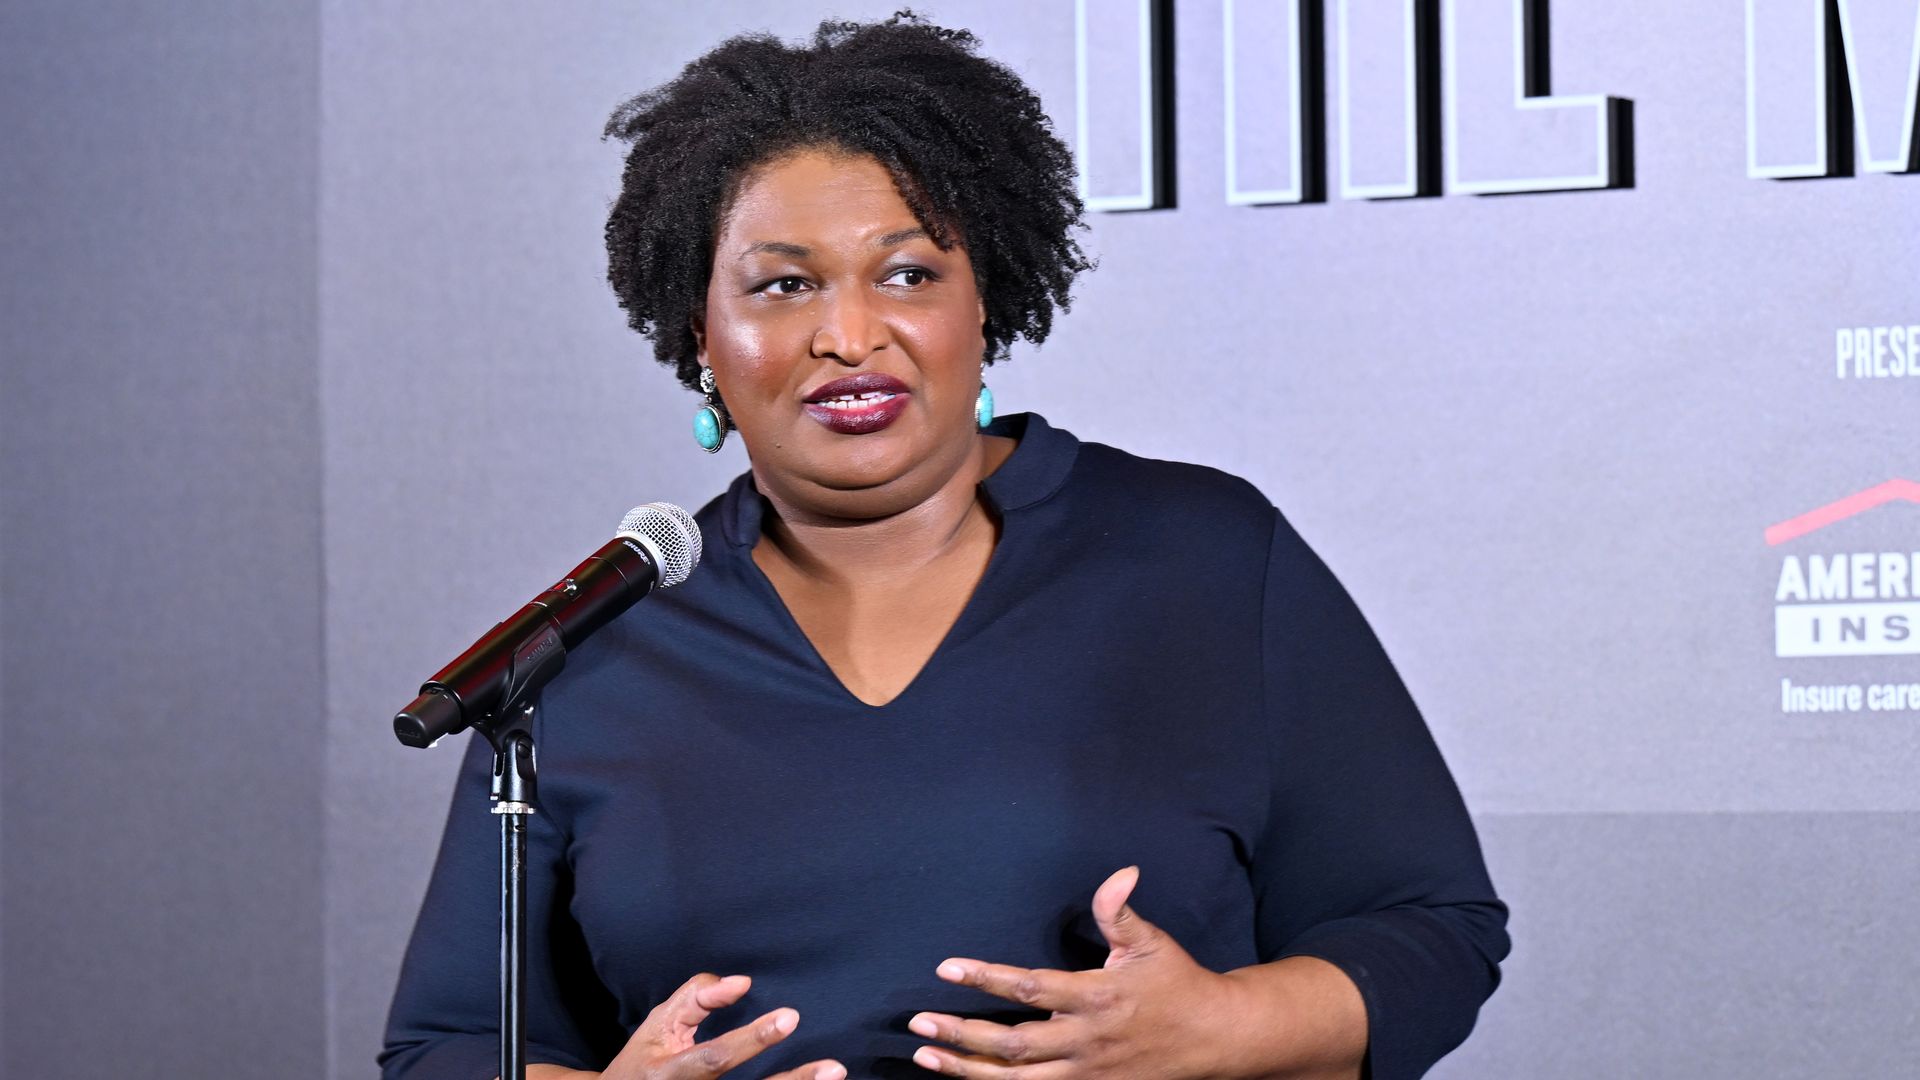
983 406
709 425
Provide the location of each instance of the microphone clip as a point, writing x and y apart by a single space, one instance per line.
515 775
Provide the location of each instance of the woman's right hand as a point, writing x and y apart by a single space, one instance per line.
662 1048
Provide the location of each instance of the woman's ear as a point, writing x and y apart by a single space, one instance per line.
697 323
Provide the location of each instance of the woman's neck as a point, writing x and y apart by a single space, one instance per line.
834 550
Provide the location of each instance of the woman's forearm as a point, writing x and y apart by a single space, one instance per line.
1299 1018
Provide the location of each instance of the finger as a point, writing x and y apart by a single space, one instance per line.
703 1061
1040 988
824 1069
722 993
1126 932
978 1067
696 999
1034 1040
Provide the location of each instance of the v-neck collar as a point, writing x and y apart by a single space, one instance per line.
1036 469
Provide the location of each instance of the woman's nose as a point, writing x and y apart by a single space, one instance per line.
850 330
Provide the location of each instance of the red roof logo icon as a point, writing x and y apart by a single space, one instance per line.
1858 503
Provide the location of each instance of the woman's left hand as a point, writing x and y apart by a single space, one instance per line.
1150 1011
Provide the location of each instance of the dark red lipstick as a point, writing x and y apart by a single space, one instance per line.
858 404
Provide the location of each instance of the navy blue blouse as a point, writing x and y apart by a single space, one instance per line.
1154 669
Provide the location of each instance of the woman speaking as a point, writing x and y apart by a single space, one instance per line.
971 748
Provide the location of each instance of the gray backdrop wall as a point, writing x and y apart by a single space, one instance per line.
304 315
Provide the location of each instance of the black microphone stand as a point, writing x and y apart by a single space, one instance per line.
511 664
514 796
519 658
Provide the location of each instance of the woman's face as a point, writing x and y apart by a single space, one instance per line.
821 272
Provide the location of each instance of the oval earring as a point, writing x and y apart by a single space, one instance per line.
709 424
983 406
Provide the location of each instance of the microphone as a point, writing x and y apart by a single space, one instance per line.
658 544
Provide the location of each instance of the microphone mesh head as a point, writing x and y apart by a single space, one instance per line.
669 535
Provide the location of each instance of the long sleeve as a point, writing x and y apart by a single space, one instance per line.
445 1017
1368 860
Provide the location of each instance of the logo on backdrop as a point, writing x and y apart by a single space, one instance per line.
1831 602
1443 96
1877 352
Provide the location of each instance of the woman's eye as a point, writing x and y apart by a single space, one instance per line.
909 276
785 286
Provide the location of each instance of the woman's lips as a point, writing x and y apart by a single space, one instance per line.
860 415
857 404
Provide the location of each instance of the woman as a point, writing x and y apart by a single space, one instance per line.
981 749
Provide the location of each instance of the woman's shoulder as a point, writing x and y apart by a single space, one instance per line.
1173 494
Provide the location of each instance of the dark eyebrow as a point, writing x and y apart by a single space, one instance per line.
779 247
800 251
901 236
